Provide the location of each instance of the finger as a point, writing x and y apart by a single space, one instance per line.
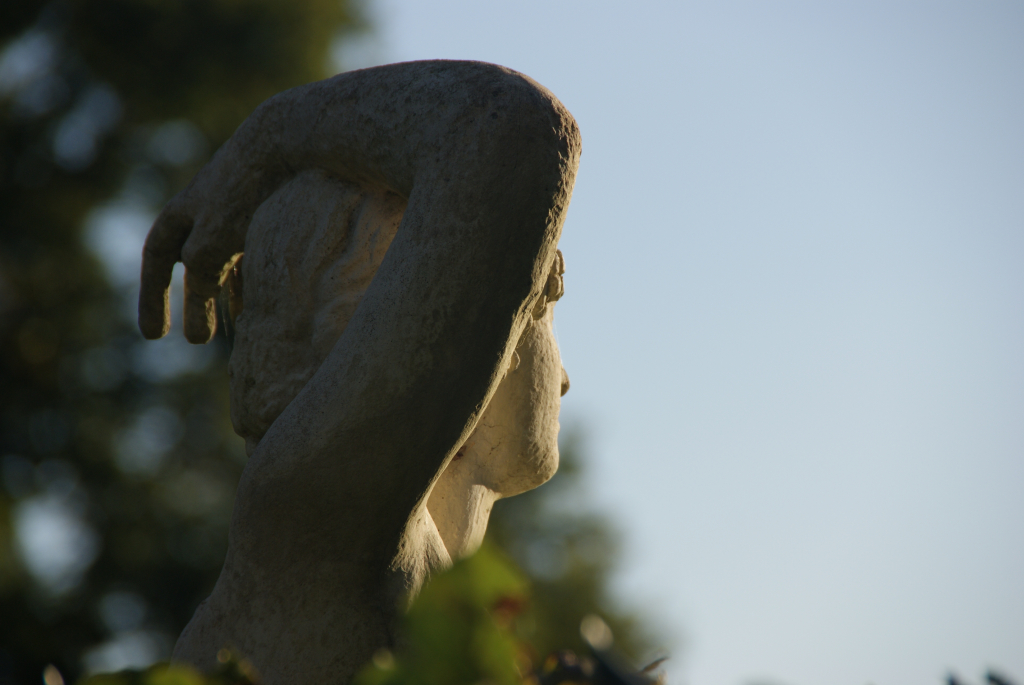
208 254
200 308
162 250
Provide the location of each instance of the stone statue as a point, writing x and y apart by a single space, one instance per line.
394 370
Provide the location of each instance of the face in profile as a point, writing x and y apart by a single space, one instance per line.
514 447
311 252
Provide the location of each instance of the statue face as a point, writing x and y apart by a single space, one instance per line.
514 447
311 252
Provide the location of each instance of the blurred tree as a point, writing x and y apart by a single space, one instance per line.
117 463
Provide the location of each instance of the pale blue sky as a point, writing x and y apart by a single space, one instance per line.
794 317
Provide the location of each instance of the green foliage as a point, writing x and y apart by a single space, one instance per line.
475 623
232 671
163 674
461 629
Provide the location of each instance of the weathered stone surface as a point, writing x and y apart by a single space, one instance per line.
394 370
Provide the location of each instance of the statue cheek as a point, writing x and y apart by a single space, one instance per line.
521 422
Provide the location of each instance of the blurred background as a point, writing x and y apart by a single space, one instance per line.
793 323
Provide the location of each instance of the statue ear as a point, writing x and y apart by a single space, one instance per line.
554 288
556 284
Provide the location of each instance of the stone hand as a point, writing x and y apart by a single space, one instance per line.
472 146
204 227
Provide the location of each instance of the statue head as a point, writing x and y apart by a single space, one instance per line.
311 252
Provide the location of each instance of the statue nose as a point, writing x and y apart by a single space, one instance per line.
565 382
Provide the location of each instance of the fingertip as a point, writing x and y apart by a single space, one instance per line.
159 254
200 317
155 299
154 322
